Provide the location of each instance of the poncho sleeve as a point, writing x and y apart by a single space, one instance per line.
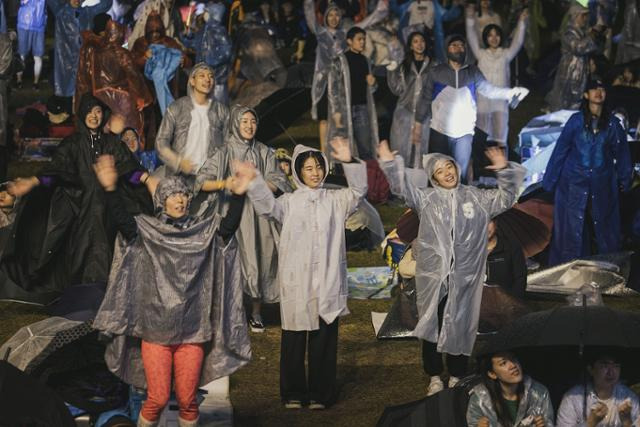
499 200
348 199
407 183
264 202
560 152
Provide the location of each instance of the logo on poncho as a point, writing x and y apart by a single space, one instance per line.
467 210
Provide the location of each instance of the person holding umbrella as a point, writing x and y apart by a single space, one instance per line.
608 403
506 397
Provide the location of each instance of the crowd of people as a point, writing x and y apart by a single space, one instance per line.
162 191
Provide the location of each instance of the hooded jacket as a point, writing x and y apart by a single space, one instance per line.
312 267
257 235
173 133
450 249
449 93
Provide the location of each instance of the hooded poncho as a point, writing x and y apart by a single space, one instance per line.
257 235
175 282
312 267
450 249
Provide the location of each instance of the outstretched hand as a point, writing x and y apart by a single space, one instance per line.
341 150
497 158
105 169
244 173
384 152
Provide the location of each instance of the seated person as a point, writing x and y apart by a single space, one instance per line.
506 397
609 403
7 205
148 159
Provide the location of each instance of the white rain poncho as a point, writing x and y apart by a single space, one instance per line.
493 114
451 247
407 85
312 264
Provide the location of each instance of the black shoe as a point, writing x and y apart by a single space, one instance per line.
19 85
256 325
36 86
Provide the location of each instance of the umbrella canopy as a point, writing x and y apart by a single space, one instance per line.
34 343
498 308
532 234
280 109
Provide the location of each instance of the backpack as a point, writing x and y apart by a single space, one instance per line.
379 190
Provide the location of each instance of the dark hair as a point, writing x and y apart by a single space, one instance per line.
302 157
603 120
495 390
592 355
408 55
353 31
487 29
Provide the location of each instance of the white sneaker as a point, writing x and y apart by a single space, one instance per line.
435 386
453 381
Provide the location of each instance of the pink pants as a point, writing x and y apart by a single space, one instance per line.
158 360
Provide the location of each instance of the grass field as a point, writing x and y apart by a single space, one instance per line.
372 374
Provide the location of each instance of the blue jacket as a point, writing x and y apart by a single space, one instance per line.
32 15
215 46
440 15
587 167
69 23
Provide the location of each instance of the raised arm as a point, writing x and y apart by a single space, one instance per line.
472 35
579 46
402 181
102 7
510 177
250 181
518 36
356 173
56 6
380 12
310 16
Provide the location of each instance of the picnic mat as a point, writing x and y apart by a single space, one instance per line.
370 282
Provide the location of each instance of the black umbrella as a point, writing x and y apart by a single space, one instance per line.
551 344
280 109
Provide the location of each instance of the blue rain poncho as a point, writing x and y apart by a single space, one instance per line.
215 47
161 68
32 15
587 168
70 22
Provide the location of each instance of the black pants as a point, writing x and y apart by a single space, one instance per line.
432 360
322 359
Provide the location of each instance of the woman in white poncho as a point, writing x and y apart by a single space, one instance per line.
312 268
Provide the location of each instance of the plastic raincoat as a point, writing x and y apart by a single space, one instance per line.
451 247
154 25
6 58
161 68
257 235
493 114
259 61
587 168
216 49
173 282
32 15
312 267
3 19
440 15
70 22
534 402
629 46
173 133
330 44
407 84
160 8
573 69
339 97
106 70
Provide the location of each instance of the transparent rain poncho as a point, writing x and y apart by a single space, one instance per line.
451 247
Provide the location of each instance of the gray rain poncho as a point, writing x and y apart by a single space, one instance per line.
330 44
172 137
312 265
339 97
175 282
629 46
534 402
573 69
407 84
257 235
451 247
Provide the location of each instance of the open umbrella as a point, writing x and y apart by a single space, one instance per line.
532 234
28 347
280 109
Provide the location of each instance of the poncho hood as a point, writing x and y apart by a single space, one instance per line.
87 102
431 161
167 187
199 66
114 31
453 37
297 151
154 23
330 7
235 116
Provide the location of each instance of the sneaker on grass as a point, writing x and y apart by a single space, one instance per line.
256 324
